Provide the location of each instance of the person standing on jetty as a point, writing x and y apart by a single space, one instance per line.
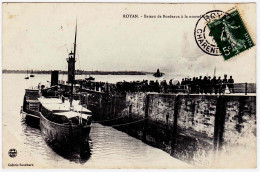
231 84
224 83
198 85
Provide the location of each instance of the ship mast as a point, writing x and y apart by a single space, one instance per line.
73 68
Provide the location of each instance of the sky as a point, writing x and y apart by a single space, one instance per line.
40 36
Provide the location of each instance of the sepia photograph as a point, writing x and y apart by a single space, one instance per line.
129 85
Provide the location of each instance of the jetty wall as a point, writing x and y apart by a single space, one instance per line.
189 127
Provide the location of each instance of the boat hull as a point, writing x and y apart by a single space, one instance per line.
62 136
32 118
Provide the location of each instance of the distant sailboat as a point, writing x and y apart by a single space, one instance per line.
26 77
32 75
90 78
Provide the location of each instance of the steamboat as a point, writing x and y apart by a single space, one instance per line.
158 73
62 121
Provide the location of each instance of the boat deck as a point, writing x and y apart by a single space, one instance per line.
54 104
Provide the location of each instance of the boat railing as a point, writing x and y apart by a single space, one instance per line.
189 88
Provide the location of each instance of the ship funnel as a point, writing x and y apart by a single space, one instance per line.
54 77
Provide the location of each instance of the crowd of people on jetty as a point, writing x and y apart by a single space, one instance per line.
199 85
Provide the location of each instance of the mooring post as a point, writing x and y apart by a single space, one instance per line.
222 121
175 124
216 125
112 108
115 106
219 122
146 117
130 113
129 119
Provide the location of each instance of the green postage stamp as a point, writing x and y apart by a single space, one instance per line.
230 34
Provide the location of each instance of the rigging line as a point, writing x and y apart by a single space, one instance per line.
163 110
126 116
117 125
128 123
78 59
63 67
109 119
79 63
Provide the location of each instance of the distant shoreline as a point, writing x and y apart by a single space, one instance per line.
79 72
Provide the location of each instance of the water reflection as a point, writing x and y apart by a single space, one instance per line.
29 123
77 152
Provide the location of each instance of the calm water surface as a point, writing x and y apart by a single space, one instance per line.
109 148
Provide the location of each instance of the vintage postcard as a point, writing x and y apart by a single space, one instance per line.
129 85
